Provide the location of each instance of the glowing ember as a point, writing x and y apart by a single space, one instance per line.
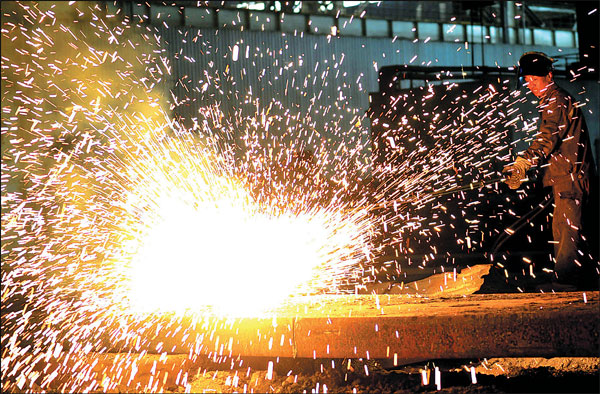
114 215
199 239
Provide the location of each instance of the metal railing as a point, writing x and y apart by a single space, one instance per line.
341 24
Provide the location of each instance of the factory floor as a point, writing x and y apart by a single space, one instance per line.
432 335
497 375
253 375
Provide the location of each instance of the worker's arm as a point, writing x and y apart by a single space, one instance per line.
516 172
553 127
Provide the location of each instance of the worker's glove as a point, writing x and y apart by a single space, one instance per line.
516 172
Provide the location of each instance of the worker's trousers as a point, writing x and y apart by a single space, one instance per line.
574 263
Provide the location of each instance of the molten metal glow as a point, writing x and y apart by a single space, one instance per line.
113 216
200 240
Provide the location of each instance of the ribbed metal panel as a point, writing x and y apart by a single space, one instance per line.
314 77
304 74
269 65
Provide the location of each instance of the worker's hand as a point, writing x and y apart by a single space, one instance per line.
516 172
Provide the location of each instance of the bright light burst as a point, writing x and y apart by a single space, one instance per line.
132 208
197 238
113 213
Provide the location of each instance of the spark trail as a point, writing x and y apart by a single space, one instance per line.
115 215
112 214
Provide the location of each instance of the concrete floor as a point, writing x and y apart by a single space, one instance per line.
369 342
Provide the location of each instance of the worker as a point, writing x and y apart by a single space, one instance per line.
562 149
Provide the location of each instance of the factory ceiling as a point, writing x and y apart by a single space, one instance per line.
540 13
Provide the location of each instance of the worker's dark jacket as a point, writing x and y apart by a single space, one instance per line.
562 145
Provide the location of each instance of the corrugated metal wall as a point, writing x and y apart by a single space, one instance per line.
323 80
298 71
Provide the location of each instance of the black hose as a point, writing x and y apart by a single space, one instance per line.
519 224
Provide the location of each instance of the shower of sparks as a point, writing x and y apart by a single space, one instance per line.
114 215
197 237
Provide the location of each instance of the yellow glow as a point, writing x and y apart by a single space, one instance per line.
199 241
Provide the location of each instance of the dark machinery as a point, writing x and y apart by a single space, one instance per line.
463 115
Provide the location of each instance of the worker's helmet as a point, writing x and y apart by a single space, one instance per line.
535 63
